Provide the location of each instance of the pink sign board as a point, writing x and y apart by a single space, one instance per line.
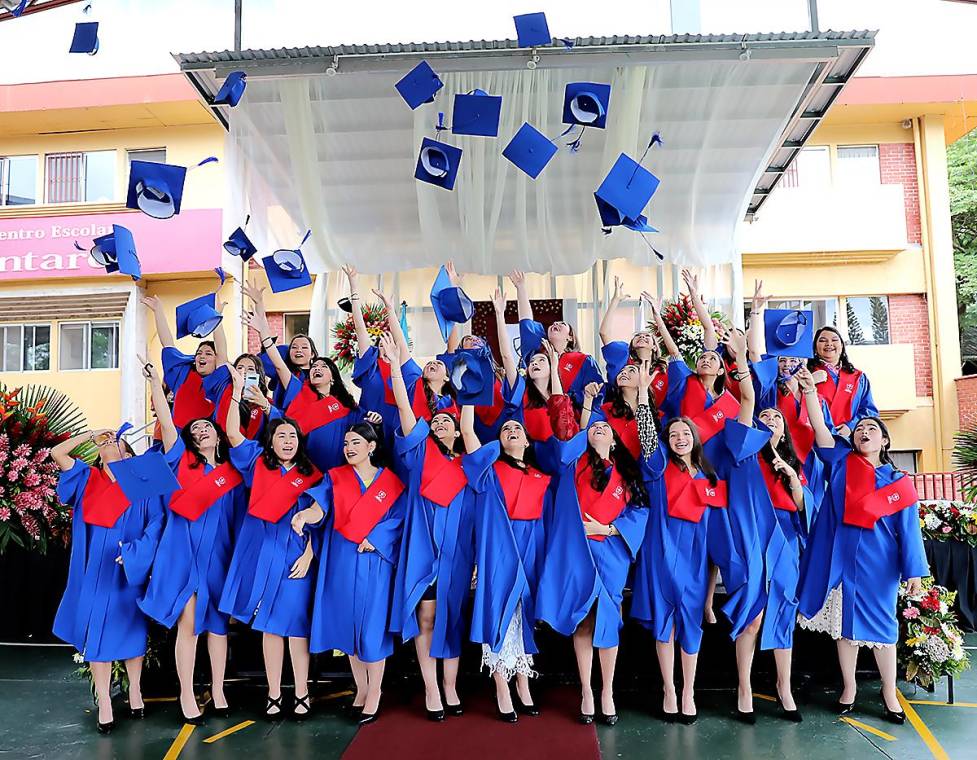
44 246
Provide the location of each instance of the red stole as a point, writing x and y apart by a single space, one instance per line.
441 479
250 426
420 406
708 421
627 430
490 414
357 512
199 490
537 422
604 506
570 364
779 494
274 493
841 395
864 504
388 391
190 403
795 415
523 490
103 503
659 386
688 497
312 412
731 385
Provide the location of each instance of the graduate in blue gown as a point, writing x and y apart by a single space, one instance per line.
845 389
112 547
194 550
272 572
437 556
865 540
255 405
599 517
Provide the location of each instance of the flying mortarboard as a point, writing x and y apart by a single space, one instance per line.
530 150
116 252
419 85
532 30
789 332
476 113
286 268
232 89
85 39
239 244
197 317
157 189
586 104
452 306
145 476
15 7
473 377
437 163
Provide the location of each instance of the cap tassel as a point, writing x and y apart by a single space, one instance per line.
208 160
567 42
656 139
122 431
221 274
308 234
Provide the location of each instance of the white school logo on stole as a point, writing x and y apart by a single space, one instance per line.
298 482
892 498
333 407
849 387
618 492
710 492
718 416
381 495
568 366
220 481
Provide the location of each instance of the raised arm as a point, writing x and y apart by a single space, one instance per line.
259 321
393 328
809 392
472 444
590 392
605 323
670 347
736 343
363 341
220 337
556 384
645 416
454 339
407 418
234 435
61 454
709 339
505 345
162 328
518 279
162 410
754 334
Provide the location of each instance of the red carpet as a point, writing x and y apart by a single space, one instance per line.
403 732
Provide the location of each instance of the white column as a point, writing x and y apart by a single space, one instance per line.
132 341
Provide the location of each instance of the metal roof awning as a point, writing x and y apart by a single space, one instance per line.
734 110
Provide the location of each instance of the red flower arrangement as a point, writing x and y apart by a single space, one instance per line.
32 420
684 326
344 334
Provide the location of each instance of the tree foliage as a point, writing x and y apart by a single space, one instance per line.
962 171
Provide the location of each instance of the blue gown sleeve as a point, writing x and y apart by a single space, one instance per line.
268 366
366 374
834 456
386 534
653 467
615 354
244 457
631 524
291 391
322 495
411 372
216 383
175 454
866 404
71 484
176 367
765 374
912 554
138 555
478 465
409 449
678 377
531 335
743 441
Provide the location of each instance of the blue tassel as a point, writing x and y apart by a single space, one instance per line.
122 430
220 273
308 234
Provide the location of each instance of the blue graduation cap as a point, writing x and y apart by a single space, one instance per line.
144 477
85 39
624 193
586 103
472 377
419 85
116 252
452 306
14 7
239 244
198 317
476 113
286 268
530 150
157 189
532 30
789 332
437 163
232 89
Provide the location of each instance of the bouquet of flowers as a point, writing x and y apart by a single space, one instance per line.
344 334
684 326
930 643
949 521
32 420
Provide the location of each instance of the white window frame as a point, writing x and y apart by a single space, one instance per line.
838 173
87 348
285 315
4 178
114 190
132 154
24 326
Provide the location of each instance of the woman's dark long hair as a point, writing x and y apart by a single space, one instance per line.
814 363
456 445
292 366
625 464
124 443
657 360
210 344
720 385
371 434
529 458
431 400
301 459
223 445
338 388
697 455
244 407
534 397
785 450
884 456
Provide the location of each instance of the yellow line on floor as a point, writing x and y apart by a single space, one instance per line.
334 695
941 704
228 731
181 739
922 729
764 696
160 699
867 727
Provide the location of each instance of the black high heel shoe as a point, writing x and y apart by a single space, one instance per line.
105 728
845 707
195 721
608 720
274 703
749 718
506 717
792 715
687 720
137 713
436 716
585 718
366 718
222 712
530 710
301 702
891 715
455 711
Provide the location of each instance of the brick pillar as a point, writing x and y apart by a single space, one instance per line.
967 401
897 165
909 323
276 321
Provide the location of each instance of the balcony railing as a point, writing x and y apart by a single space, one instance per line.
935 486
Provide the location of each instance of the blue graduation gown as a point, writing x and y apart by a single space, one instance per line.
671 578
271 372
512 396
258 590
216 384
99 613
867 563
679 375
438 545
509 556
193 557
325 443
579 573
367 377
354 590
862 405
531 337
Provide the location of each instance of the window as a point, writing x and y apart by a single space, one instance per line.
89 345
825 309
26 348
904 460
296 324
18 180
868 320
156 155
81 177
858 165
811 168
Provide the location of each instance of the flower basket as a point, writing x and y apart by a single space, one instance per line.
684 326
344 348
943 520
930 643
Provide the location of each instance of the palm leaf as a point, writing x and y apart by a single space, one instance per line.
965 460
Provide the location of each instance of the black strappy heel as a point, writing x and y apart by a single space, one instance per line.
301 702
274 703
